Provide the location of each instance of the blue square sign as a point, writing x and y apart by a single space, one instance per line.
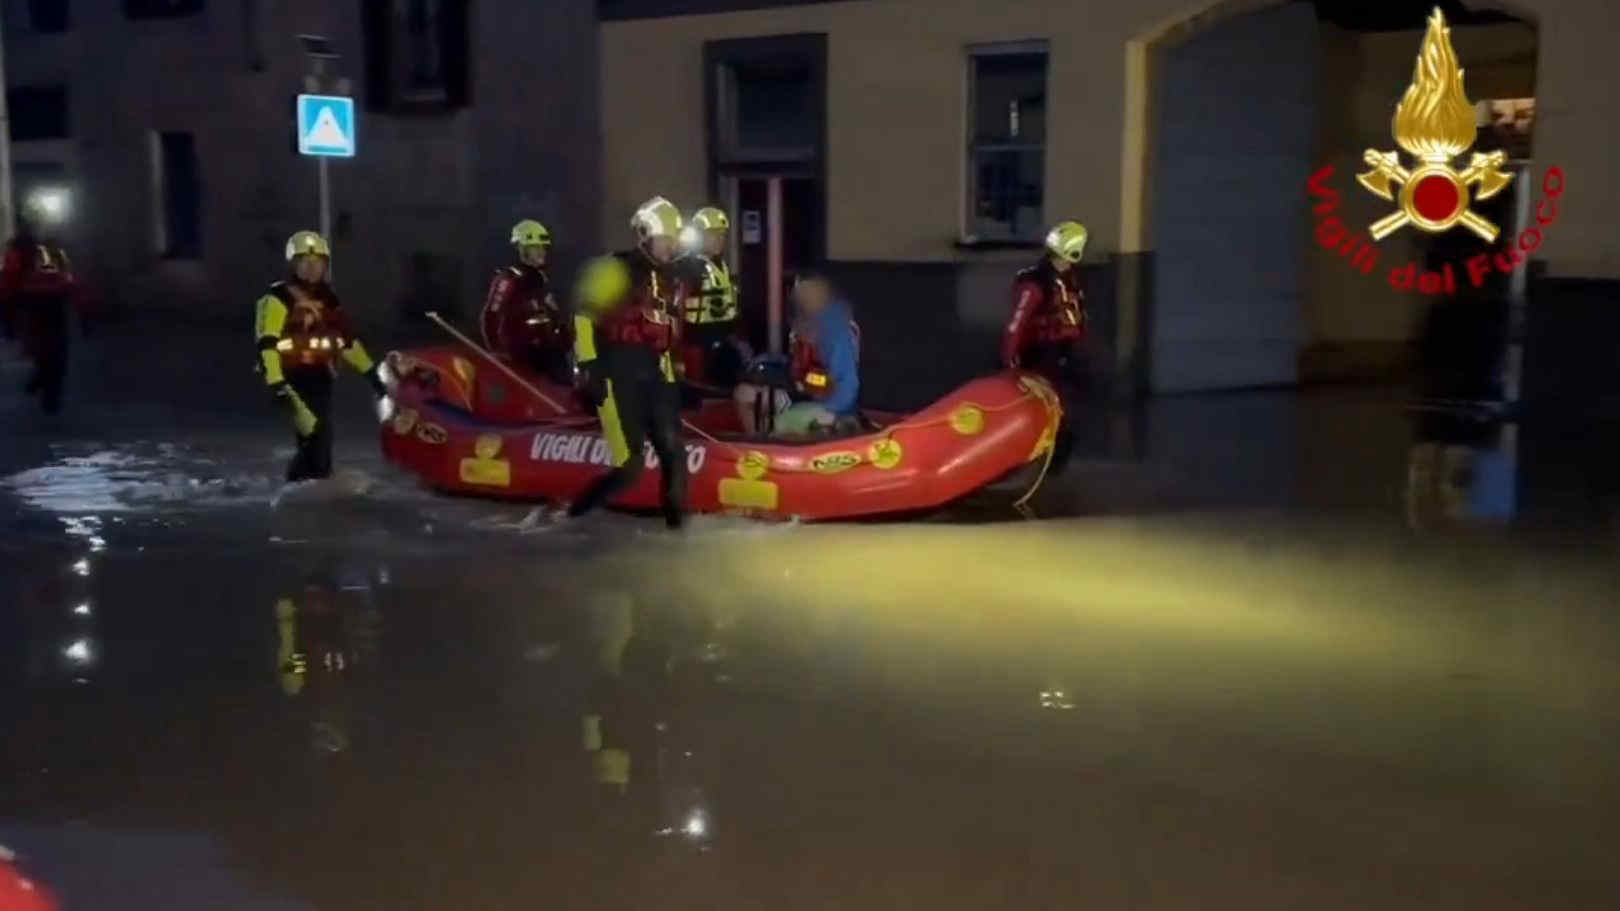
326 126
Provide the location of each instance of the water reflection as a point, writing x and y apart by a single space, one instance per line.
86 528
328 633
526 726
1461 473
649 662
78 652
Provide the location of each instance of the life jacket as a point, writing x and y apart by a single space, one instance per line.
35 268
315 332
1061 315
809 369
521 312
714 298
646 317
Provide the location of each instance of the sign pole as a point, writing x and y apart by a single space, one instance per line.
326 207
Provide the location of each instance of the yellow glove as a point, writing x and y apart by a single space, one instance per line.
304 420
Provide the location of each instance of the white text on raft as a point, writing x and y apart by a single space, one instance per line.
587 449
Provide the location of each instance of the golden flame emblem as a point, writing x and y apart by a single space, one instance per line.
1434 123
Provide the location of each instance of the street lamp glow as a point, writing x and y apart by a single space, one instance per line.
52 203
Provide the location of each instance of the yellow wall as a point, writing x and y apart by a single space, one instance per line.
895 107
895 110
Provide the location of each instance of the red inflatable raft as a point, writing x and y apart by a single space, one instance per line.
463 426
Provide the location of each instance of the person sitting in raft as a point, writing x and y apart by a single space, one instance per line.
824 384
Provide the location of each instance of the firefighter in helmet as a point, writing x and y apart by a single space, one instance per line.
712 349
521 321
1048 323
625 333
301 333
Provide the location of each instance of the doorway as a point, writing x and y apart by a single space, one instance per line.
1237 112
772 240
767 166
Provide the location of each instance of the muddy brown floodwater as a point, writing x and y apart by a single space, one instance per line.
1206 683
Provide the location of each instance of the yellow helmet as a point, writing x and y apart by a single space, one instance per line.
307 242
1067 241
602 282
709 218
530 233
657 217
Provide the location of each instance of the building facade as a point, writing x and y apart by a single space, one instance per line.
170 124
923 145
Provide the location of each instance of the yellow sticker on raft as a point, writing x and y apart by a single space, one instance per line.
487 446
753 465
745 494
968 420
884 453
487 472
834 462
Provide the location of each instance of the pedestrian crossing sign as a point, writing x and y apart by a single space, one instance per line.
326 126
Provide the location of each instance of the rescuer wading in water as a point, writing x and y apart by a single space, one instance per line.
301 332
623 338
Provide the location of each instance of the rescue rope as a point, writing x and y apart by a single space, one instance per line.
1022 503
510 373
888 432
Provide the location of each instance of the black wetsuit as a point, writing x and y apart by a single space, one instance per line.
625 354
302 332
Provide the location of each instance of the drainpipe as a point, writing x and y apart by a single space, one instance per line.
8 212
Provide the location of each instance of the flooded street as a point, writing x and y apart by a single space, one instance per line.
1221 672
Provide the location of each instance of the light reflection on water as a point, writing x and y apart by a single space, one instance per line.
132 477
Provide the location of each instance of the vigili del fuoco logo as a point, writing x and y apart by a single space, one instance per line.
1435 124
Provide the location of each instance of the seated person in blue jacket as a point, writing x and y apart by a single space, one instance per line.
823 383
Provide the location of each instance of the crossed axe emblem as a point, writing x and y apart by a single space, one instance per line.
1435 196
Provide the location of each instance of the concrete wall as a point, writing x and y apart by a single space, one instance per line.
431 188
895 114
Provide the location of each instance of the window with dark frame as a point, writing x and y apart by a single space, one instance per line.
765 110
48 16
420 74
182 196
416 54
1006 142
161 9
38 112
